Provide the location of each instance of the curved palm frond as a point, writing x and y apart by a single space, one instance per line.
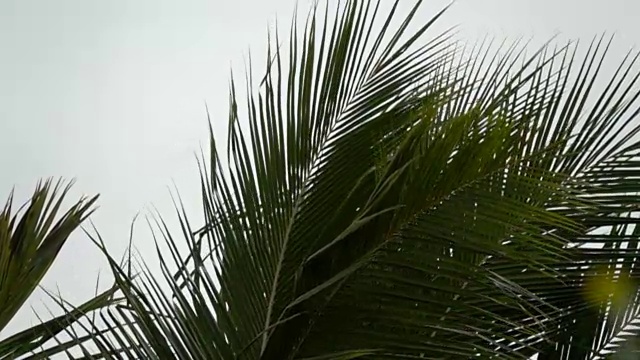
30 241
391 197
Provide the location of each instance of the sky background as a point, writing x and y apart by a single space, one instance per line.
113 93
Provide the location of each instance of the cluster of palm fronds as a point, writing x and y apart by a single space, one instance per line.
389 196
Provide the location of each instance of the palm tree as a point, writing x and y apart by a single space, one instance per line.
391 197
30 241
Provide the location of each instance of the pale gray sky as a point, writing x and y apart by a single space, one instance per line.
112 93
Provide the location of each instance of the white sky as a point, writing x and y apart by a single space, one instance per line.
112 93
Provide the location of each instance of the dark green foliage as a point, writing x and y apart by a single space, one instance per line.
396 197
30 240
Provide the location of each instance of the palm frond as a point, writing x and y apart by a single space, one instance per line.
30 240
391 197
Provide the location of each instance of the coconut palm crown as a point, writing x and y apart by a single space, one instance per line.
385 193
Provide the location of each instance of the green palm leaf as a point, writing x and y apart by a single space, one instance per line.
30 241
391 197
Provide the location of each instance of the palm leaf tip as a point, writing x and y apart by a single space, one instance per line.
390 193
30 240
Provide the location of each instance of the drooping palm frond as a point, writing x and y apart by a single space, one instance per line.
600 158
30 241
391 197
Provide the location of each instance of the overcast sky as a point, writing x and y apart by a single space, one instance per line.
112 93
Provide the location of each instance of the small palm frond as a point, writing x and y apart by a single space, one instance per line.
30 241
